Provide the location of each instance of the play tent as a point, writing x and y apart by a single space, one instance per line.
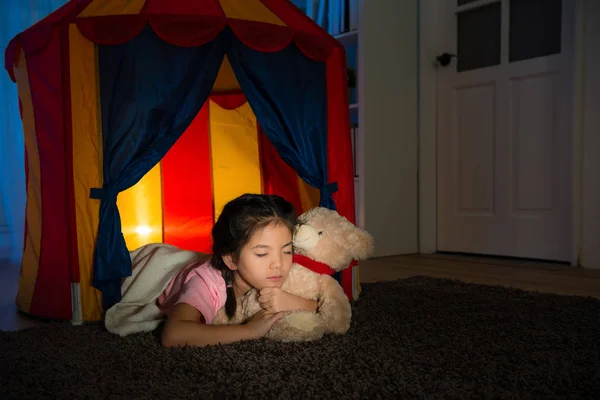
143 117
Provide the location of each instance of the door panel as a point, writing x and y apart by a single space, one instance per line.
475 149
532 143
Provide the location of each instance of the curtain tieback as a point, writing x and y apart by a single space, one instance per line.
329 188
105 193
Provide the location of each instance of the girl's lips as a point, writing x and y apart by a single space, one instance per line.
274 278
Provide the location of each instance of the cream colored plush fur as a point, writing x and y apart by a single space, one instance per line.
325 236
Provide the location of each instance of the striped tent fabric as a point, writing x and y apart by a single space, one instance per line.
65 81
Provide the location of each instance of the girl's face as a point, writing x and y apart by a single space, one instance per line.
265 261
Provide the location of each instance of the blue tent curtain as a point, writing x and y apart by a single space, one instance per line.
150 93
288 94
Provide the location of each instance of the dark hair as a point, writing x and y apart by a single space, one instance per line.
239 220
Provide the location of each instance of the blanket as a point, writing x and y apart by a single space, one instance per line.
153 266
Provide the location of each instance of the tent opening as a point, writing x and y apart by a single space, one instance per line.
221 155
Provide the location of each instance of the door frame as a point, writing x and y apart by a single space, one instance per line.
428 49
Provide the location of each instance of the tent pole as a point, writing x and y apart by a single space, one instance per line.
76 318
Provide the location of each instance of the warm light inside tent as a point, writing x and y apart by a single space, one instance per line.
140 208
143 230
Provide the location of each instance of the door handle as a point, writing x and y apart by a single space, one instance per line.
445 59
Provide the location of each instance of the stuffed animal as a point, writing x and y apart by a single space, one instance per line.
324 243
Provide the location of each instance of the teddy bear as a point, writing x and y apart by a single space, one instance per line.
324 243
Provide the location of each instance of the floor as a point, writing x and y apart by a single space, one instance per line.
522 274
527 275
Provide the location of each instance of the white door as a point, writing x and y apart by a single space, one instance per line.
504 128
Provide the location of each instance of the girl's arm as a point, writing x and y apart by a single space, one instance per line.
273 299
297 303
185 326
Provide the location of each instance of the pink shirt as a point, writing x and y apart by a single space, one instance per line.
199 285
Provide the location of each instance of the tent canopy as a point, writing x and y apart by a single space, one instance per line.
263 25
133 75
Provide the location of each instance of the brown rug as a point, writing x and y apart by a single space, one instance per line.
418 338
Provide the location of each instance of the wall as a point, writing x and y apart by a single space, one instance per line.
589 59
388 118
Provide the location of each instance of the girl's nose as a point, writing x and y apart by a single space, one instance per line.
277 263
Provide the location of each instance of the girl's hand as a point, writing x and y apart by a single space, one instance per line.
261 322
273 299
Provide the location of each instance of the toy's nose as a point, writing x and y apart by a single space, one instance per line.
306 237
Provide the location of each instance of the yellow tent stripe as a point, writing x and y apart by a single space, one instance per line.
87 162
249 10
309 196
31 255
226 79
234 154
141 211
110 7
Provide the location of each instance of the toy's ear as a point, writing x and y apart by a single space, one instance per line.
362 244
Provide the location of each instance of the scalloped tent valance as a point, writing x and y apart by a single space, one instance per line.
186 23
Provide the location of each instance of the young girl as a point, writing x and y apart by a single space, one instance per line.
252 248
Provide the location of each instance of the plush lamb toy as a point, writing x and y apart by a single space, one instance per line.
324 243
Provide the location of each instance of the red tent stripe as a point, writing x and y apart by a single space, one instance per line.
68 132
187 188
339 150
229 100
53 280
339 146
278 177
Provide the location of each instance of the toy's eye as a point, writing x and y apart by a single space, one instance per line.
321 233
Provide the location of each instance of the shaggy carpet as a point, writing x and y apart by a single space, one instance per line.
417 338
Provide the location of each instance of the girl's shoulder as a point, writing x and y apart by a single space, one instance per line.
205 270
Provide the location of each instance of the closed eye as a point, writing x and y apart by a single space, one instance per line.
261 255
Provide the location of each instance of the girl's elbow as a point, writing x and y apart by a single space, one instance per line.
167 343
169 339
